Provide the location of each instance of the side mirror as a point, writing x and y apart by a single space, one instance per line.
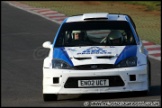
47 44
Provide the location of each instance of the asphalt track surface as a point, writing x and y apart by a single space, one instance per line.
22 35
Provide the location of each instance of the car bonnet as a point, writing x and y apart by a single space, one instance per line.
75 56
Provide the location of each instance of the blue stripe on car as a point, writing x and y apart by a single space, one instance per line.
128 51
61 54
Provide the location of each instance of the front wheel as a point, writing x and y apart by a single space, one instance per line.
50 97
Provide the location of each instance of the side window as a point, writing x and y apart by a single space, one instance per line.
127 37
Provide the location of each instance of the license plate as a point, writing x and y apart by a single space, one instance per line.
93 83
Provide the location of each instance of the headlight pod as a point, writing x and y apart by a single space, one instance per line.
59 64
129 62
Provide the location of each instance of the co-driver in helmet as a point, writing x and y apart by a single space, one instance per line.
115 38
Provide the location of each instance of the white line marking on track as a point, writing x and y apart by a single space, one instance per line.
39 10
152 46
49 12
55 15
154 52
144 41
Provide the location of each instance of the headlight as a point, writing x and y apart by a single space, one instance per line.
59 64
129 62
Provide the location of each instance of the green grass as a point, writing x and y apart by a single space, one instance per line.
145 14
150 5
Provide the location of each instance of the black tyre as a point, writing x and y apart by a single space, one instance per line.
50 97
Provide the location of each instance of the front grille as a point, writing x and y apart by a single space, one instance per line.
82 58
94 66
114 81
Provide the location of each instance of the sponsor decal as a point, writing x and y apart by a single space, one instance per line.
94 50
73 50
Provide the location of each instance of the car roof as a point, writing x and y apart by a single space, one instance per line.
97 16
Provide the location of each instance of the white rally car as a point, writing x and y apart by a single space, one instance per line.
95 53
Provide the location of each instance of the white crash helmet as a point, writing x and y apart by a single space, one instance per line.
75 31
115 38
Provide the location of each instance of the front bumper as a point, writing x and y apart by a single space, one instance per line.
138 83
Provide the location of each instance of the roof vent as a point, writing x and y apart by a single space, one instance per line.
94 16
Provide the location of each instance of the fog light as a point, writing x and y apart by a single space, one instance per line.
132 77
55 80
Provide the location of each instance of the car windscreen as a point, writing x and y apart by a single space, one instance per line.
95 33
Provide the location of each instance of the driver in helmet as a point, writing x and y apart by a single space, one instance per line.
115 38
76 35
